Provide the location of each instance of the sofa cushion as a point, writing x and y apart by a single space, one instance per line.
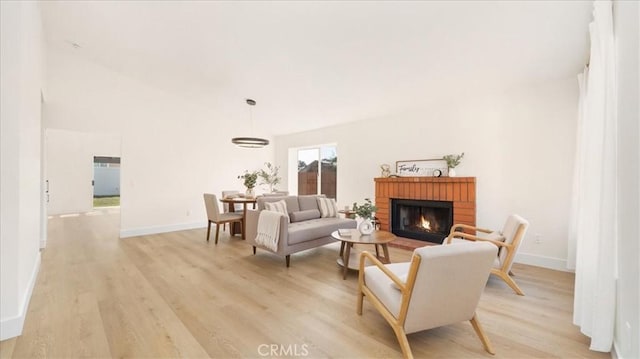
278 206
316 228
261 200
304 215
292 202
308 202
328 207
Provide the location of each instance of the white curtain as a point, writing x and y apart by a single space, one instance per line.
575 202
593 234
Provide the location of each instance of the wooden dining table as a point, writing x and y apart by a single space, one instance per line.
231 201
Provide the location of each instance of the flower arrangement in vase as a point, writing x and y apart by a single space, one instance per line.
365 212
452 162
250 179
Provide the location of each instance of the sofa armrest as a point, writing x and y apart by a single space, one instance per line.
251 224
252 229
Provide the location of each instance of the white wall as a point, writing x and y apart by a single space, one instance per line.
519 144
22 55
69 156
626 30
172 150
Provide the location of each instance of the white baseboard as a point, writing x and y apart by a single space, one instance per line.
542 261
12 327
125 233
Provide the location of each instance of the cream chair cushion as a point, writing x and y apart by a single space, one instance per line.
383 287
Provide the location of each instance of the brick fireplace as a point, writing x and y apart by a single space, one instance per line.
459 191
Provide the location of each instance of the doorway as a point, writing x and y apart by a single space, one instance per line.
106 181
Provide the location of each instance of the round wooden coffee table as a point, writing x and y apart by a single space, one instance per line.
349 260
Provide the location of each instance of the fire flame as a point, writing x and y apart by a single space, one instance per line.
424 223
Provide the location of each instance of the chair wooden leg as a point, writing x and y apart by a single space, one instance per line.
360 300
254 250
404 343
217 232
208 230
510 282
481 334
288 260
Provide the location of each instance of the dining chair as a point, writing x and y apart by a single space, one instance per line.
441 285
214 215
225 206
507 240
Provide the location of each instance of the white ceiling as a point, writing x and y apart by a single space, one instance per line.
312 64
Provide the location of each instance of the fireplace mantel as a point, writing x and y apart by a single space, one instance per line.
459 190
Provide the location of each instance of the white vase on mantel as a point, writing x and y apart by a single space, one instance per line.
452 172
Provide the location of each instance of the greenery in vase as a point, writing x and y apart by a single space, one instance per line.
365 210
250 179
270 176
453 160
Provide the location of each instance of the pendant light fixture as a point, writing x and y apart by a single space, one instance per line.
250 142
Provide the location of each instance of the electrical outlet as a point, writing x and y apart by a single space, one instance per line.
188 212
538 240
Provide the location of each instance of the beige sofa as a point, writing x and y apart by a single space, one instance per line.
306 230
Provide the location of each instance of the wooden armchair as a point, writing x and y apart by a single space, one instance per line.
508 240
440 286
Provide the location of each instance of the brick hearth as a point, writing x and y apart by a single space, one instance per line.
459 190
409 244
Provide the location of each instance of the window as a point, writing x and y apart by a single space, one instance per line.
317 170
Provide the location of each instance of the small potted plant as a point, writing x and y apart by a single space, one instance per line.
452 162
250 179
270 176
365 212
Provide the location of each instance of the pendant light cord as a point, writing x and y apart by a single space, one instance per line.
251 103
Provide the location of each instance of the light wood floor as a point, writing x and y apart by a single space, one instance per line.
175 295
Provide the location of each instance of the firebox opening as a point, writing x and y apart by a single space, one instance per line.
424 220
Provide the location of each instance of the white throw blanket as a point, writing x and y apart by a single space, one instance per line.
269 229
